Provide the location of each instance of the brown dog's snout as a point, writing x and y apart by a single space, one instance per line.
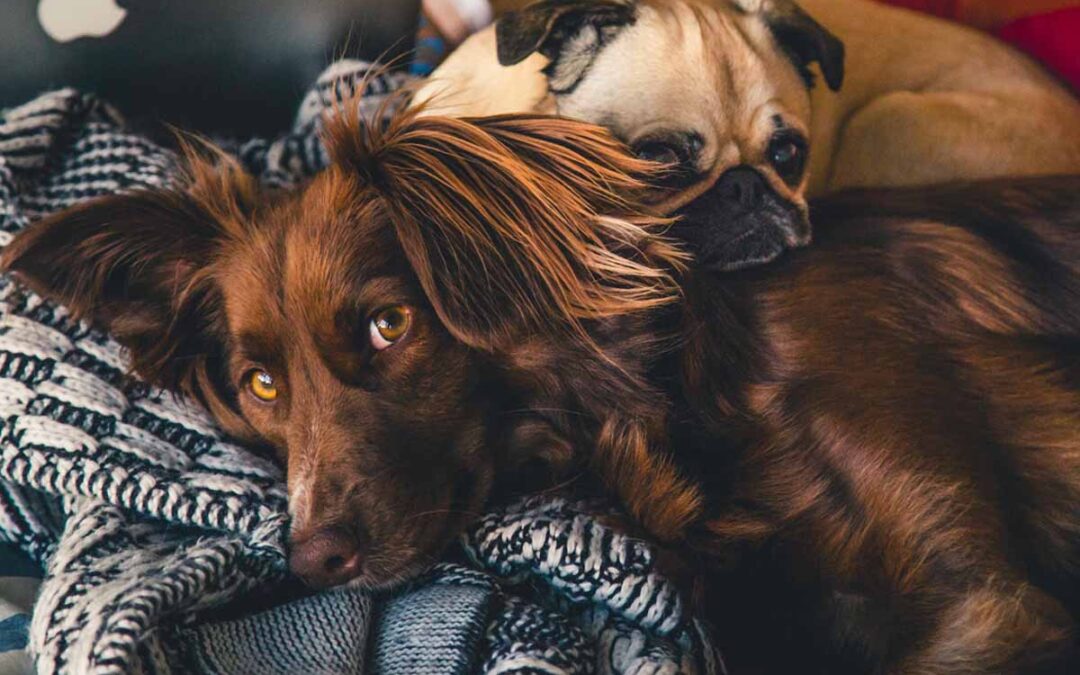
330 557
743 189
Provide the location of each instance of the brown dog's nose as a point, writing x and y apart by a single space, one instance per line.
742 188
329 557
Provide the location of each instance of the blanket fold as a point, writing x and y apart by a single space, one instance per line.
148 523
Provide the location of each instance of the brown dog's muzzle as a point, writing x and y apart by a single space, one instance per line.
329 557
740 222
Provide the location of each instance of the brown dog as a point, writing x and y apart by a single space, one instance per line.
372 327
882 429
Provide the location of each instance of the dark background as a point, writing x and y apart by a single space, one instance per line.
218 66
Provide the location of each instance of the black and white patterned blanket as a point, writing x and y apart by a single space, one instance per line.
161 540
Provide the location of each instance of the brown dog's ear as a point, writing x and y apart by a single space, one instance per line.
803 39
569 32
134 265
514 224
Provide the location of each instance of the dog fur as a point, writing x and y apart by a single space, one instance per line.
886 432
867 453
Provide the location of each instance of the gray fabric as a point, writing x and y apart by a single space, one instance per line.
438 629
334 632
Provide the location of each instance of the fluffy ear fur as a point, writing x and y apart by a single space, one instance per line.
136 265
569 32
513 224
803 39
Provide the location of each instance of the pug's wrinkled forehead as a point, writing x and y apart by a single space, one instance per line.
703 85
571 33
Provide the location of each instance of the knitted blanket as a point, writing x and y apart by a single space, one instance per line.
163 543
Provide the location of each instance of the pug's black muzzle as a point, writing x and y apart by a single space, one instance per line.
741 222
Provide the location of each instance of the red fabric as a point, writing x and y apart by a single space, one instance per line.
1052 38
1048 30
988 15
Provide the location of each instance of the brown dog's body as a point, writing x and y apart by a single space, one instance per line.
900 409
883 426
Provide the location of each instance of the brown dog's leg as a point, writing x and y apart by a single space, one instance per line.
949 591
1000 627
945 592
907 572
630 456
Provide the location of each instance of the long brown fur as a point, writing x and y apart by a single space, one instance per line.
465 208
893 438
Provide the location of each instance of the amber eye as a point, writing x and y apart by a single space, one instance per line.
262 386
389 326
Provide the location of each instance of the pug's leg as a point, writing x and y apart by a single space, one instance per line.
914 138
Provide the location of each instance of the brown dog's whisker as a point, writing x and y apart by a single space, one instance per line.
450 512
563 485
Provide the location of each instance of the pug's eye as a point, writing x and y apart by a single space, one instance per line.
787 154
389 325
659 152
676 150
262 386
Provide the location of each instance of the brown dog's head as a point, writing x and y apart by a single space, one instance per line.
357 325
717 89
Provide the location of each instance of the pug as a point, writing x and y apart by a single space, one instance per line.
758 104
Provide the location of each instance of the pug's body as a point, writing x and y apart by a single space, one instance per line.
927 101
906 99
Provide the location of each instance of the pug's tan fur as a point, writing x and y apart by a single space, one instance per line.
923 100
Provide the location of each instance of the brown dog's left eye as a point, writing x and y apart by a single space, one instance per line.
262 386
389 326
787 154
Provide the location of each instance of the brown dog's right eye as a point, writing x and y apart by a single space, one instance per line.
389 326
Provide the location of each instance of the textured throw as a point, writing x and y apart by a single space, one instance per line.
163 544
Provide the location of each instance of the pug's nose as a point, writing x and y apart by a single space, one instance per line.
742 188
329 557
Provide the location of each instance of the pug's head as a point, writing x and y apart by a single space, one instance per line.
717 89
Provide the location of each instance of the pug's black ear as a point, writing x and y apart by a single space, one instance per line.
803 39
569 32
